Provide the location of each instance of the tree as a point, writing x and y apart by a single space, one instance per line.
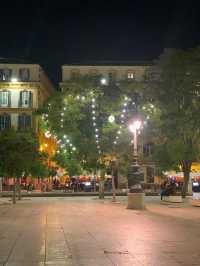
176 95
69 115
65 160
19 152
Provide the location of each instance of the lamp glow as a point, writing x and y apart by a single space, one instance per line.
135 126
111 119
14 80
103 81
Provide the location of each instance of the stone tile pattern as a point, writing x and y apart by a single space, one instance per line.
89 232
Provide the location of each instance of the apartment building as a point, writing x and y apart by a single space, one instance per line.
108 71
23 89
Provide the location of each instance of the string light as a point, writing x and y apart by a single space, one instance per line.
123 119
122 116
93 106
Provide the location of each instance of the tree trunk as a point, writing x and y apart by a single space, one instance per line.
95 184
186 168
19 189
101 184
101 189
1 186
14 192
113 186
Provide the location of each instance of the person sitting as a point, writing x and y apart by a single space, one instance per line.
167 189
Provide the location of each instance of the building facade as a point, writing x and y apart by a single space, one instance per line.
23 89
131 71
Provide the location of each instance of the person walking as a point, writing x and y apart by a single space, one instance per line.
163 187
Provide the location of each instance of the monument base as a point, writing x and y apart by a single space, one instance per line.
136 201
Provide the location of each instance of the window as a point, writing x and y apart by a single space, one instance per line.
24 122
150 174
5 121
111 77
24 74
5 98
5 74
25 99
131 75
148 149
75 73
93 72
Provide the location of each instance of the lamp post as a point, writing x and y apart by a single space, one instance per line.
134 127
136 195
112 164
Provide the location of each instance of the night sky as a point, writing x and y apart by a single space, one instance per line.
52 33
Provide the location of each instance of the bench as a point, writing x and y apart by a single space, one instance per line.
196 199
195 203
173 199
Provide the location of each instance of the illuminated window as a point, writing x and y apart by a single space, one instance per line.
5 98
5 74
5 121
131 75
25 99
24 122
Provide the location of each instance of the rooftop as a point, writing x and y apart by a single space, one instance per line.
4 60
112 63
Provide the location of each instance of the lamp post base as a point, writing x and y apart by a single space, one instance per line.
136 201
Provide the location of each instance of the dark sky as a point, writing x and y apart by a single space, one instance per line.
52 33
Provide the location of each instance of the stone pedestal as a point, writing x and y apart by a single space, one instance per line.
136 201
190 187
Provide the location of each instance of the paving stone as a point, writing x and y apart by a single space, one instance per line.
59 263
78 231
24 263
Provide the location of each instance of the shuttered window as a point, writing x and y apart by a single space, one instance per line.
5 98
5 121
26 99
24 74
5 74
24 122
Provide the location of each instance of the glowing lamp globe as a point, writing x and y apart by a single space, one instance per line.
111 119
135 126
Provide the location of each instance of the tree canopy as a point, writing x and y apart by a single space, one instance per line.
176 94
79 117
19 153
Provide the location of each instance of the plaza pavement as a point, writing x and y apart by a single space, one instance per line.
86 231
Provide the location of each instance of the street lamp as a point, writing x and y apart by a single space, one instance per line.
134 127
136 195
111 119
